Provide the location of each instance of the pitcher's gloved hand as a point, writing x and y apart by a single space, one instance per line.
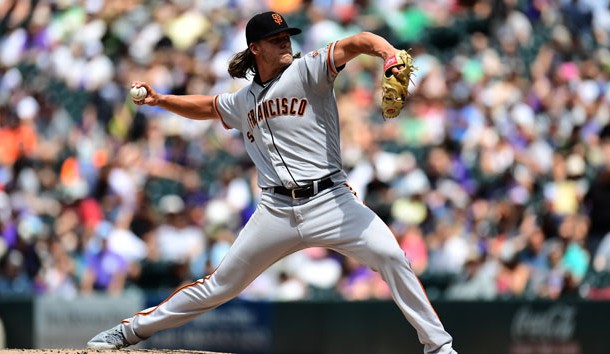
395 83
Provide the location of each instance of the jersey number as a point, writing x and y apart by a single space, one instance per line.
250 137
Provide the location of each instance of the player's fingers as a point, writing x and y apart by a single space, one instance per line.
144 84
152 99
151 95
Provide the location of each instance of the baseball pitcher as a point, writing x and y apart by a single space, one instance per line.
289 121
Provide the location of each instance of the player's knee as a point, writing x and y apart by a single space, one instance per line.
231 290
223 294
398 256
393 255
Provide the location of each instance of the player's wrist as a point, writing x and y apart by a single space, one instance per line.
161 100
389 60
388 52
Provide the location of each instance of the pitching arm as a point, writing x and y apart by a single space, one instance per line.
197 107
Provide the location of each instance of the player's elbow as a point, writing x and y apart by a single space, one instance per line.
368 39
367 34
371 44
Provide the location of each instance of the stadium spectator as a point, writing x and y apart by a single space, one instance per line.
598 196
508 122
176 243
105 270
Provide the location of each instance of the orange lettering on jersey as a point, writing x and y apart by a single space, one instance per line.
292 103
251 119
302 107
272 111
284 106
265 110
276 107
260 113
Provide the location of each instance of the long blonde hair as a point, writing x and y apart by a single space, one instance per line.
242 65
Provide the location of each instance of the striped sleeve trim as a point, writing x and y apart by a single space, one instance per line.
215 105
330 60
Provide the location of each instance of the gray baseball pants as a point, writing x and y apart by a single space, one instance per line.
334 219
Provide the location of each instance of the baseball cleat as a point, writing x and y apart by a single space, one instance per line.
112 338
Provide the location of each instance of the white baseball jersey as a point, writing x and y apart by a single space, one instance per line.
291 124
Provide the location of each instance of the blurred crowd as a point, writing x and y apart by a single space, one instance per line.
495 178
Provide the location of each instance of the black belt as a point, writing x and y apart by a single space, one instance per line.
304 191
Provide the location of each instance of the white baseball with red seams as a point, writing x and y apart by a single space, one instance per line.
138 93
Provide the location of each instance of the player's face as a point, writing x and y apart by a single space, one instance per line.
276 50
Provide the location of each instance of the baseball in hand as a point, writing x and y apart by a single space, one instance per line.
138 93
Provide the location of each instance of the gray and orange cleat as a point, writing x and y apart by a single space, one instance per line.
112 338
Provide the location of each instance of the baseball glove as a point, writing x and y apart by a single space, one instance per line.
395 88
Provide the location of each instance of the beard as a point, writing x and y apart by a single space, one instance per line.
286 59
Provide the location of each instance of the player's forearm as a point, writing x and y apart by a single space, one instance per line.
374 45
363 43
198 107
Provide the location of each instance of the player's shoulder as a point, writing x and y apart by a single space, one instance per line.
321 52
239 90
233 97
314 53
312 58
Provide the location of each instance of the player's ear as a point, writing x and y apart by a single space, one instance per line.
254 48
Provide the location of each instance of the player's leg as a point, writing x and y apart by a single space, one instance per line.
349 227
383 254
267 237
